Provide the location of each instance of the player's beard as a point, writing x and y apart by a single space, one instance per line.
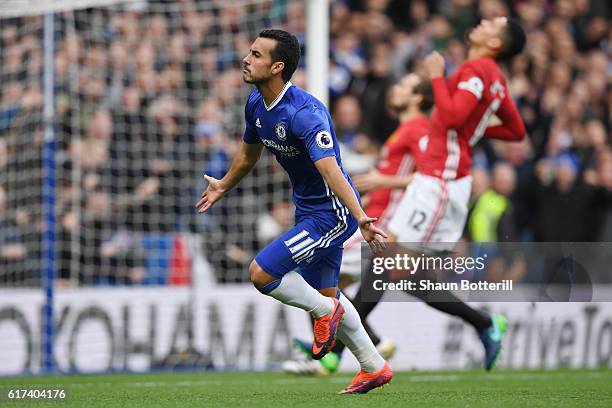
247 77
253 80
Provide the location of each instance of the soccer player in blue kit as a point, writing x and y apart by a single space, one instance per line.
298 130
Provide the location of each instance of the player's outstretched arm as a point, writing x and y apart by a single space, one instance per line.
456 109
374 180
331 173
242 164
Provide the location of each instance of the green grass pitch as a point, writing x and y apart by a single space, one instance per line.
558 388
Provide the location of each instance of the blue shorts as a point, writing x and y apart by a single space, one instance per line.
314 245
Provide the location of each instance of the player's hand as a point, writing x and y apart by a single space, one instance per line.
373 235
434 65
367 182
211 195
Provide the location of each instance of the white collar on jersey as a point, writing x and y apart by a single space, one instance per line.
279 97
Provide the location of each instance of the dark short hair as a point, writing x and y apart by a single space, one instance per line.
287 50
514 40
425 89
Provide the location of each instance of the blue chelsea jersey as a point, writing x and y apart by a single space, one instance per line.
298 130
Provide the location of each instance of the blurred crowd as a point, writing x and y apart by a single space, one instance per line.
148 97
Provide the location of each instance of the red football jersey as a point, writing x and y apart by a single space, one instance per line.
464 105
398 157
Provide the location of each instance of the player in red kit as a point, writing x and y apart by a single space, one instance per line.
411 99
434 208
468 100
433 211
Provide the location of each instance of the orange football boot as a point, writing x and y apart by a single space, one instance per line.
325 328
364 381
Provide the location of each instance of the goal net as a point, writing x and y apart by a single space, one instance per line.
147 97
111 112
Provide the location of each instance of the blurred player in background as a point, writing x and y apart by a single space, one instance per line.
298 130
432 214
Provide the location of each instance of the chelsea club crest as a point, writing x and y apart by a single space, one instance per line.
280 131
